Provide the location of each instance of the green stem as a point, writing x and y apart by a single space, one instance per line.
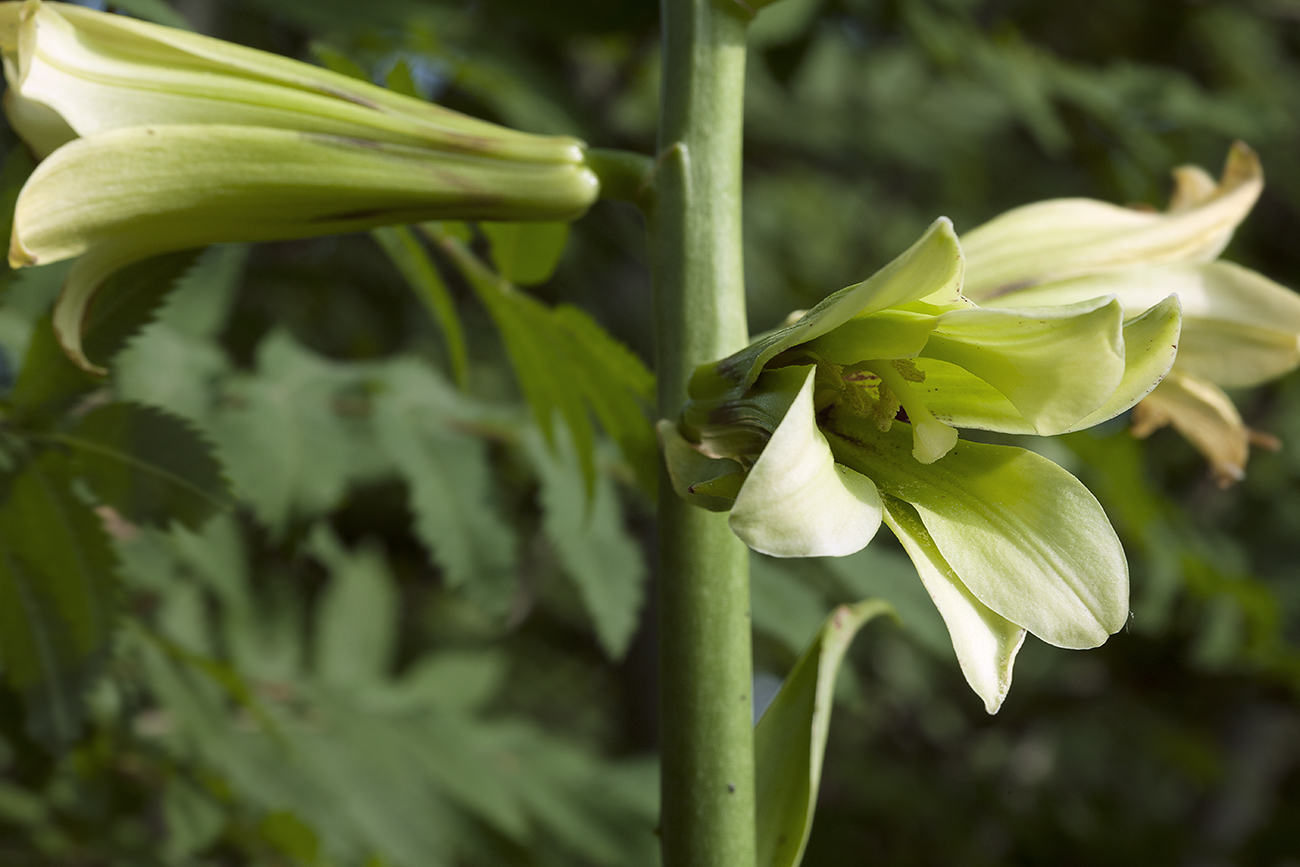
705 657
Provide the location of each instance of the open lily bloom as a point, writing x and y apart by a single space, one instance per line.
154 140
815 434
1239 327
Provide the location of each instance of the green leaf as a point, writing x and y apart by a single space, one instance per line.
617 386
58 598
588 534
193 817
565 363
287 450
399 80
156 11
422 276
128 301
791 738
150 466
451 487
355 640
49 382
537 354
526 253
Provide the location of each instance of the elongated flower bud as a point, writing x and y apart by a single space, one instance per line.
155 140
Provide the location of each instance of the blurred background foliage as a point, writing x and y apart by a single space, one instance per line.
414 642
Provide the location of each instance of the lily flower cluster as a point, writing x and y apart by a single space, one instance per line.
1239 328
816 433
154 140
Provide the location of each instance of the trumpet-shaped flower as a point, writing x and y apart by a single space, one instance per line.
815 434
1239 327
154 140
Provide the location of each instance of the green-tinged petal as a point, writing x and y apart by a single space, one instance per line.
1234 355
1025 537
1204 415
1239 327
1151 342
887 334
688 469
790 739
1055 364
102 72
40 126
930 270
957 397
986 642
1066 238
797 501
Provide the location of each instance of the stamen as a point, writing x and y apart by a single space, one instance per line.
931 438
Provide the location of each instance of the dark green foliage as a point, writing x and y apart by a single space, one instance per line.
127 300
48 382
149 466
58 598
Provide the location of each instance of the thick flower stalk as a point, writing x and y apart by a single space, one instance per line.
154 140
1239 328
816 433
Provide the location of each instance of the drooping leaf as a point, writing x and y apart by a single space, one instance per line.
450 487
526 253
128 300
618 387
422 276
566 364
150 466
58 597
536 353
791 738
592 544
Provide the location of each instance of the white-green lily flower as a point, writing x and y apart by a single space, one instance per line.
155 140
1239 328
815 434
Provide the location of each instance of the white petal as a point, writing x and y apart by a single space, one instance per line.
796 501
986 642
1066 238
